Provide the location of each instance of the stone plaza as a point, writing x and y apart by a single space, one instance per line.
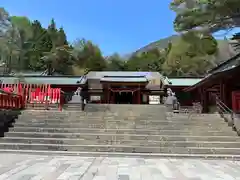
41 167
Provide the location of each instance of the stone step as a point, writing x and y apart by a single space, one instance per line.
95 116
193 117
68 113
114 114
127 106
170 114
125 122
67 141
88 136
122 131
117 119
215 120
120 148
77 114
124 155
104 109
122 126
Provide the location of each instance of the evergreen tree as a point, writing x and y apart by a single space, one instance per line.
95 60
40 43
115 63
210 15
62 38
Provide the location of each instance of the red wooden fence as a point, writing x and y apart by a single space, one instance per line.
10 101
33 94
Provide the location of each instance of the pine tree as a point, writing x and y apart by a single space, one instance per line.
62 38
41 42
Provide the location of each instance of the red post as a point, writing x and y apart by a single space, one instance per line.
60 98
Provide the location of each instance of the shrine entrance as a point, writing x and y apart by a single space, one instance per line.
123 97
123 90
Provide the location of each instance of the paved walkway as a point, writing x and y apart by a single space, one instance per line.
32 167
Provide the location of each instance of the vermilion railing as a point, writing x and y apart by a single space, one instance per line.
35 94
10 100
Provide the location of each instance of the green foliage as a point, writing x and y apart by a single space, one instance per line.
24 26
88 56
236 38
5 24
29 46
151 60
211 15
160 44
192 55
197 20
115 63
26 45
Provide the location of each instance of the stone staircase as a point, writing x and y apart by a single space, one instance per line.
121 130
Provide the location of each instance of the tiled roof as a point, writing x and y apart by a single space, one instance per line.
124 74
214 76
183 81
43 80
232 62
29 73
124 79
100 74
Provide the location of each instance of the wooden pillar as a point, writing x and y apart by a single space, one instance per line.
203 95
108 93
139 94
223 91
206 101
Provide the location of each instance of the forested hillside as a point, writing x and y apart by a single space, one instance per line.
28 46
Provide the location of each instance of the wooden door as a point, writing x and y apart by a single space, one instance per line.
236 101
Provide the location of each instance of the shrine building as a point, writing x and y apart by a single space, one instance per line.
125 87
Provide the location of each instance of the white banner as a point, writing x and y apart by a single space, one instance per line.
154 99
95 98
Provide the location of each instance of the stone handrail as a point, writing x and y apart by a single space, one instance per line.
223 107
225 112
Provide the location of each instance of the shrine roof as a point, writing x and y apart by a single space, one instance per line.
101 74
222 69
124 79
235 60
57 80
214 76
183 81
135 75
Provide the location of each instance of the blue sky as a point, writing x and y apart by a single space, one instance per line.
119 26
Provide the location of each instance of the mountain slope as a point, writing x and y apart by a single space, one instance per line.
225 51
161 44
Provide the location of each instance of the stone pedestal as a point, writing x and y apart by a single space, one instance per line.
237 124
228 118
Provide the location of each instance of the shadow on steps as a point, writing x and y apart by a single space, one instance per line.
7 118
